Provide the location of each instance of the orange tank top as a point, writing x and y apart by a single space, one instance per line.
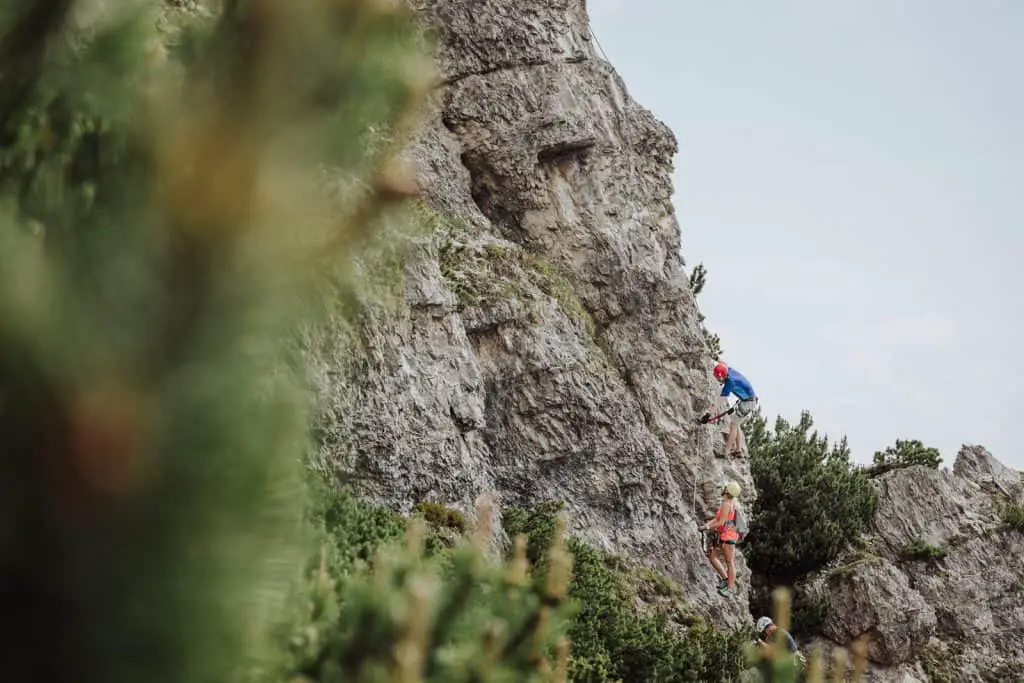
727 532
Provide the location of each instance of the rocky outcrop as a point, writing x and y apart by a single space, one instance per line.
547 345
876 598
975 464
938 589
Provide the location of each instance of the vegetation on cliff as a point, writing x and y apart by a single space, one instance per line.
904 453
812 503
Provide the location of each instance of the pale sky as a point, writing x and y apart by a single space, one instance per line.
850 174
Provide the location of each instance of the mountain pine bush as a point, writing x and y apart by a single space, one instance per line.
812 503
385 599
904 453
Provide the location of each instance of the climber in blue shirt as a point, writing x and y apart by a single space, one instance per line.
768 633
734 383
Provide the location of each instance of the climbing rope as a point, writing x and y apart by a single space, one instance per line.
600 49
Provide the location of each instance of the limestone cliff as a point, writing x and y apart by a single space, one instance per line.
548 343
938 587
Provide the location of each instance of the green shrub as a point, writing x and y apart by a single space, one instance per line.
809 614
441 516
850 564
919 551
812 501
484 274
904 453
411 614
611 638
355 529
1012 516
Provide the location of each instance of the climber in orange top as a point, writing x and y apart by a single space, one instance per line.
723 539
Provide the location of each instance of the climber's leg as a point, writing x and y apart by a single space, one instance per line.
713 553
717 564
744 409
723 575
732 441
727 549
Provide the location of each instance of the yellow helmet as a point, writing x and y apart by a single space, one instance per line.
732 488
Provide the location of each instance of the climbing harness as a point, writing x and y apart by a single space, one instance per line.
708 540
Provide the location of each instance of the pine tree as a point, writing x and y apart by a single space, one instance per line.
699 278
904 453
812 501
395 611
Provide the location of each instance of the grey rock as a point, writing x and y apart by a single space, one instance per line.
928 505
911 672
874 598
976 464
547 345
957 615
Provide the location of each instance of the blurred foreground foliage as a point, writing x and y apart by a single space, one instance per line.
167 211
388 598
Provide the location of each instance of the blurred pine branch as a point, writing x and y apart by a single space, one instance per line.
163 228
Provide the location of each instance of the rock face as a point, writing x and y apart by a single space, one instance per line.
939 591
548 344
876 598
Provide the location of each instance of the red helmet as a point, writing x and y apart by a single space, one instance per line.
721 371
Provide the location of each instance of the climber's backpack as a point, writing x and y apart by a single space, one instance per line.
741 523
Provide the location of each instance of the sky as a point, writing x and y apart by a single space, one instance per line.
850 173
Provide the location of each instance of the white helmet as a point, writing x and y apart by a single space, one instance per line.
763 623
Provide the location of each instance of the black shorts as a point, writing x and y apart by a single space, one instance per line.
715 541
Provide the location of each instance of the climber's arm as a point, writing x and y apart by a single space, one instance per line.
714 521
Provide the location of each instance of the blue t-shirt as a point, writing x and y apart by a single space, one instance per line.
737 384
790 643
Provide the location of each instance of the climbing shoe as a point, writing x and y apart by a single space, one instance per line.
724 590
722 583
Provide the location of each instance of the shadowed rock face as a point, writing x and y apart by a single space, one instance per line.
549 344
940 592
